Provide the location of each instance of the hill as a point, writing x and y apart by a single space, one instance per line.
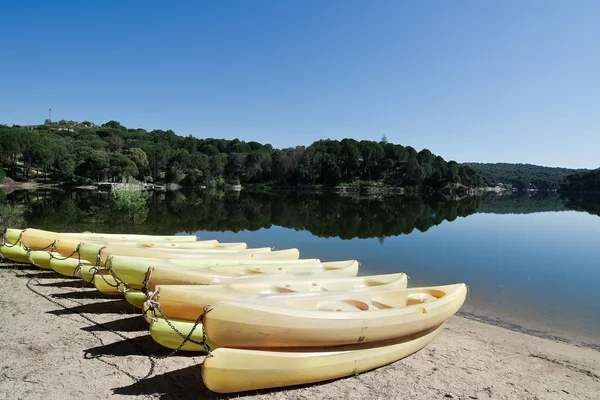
68 151
522 176
582 182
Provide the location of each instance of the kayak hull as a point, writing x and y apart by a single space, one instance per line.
134 269
238 370
336 319
186 302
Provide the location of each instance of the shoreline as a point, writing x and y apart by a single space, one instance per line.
69 341
516 327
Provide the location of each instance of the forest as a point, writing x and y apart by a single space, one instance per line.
522 176
582 182
81 153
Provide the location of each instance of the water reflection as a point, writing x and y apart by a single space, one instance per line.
324 215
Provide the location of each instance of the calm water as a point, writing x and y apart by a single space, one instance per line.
531 262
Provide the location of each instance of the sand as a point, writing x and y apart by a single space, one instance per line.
63 340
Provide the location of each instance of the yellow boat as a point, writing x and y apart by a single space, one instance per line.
106 284
42 259
226 274
14 253
134 269
184 315
186 302
238 370
164 335
331 320
72 267
68 247
90 252
40 239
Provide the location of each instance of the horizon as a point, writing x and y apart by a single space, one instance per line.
472 82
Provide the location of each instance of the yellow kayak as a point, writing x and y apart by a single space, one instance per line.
227 274
186 302
134 269
237 370
67 247
71 267
14 253
42 258
38 239
105 284
333 319
90 253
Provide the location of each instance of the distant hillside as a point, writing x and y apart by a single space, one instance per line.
582 182
523 176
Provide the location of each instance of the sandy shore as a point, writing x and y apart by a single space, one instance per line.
63 340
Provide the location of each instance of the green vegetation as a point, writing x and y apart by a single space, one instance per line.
82 152
522 176
324 215
582 182
132 205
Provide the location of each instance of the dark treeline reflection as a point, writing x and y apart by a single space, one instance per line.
586 202
521 203
324 215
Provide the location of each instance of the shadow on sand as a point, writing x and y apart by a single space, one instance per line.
131 324
83 294
137 346
183 383
105 307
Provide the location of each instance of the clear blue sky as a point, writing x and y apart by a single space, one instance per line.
488 81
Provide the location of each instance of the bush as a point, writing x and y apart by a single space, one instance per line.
133 206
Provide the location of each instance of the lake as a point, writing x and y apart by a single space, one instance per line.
532 262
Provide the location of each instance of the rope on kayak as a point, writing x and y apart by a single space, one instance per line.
146 281
98 258
154 306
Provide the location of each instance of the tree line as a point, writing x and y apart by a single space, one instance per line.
522 176
582 182
75 152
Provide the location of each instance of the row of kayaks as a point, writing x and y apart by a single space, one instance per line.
267 317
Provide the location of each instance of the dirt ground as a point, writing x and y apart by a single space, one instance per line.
64 340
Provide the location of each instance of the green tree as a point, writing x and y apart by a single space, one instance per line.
132 205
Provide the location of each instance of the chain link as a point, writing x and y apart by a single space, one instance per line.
154 306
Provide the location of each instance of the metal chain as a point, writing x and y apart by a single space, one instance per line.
48 248
153 306
76 251
120 282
